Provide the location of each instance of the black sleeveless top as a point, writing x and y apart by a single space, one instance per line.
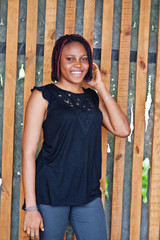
68 167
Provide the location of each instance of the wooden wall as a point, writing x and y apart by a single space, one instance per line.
122 95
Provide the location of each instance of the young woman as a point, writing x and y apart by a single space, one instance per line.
63 183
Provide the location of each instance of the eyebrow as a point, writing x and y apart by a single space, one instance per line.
75 55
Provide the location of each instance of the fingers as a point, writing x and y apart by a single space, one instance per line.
25 229
42 226
95 70
37 234
33 234
32 224
95 66
28 232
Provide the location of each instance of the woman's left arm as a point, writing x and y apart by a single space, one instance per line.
114 119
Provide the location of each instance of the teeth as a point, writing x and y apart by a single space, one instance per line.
77 72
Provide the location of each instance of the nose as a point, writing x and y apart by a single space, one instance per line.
77 63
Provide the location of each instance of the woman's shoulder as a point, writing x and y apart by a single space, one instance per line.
43 87
45 90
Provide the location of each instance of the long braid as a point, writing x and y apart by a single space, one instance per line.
57 50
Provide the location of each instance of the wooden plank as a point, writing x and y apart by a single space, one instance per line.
30 68
140 98
8 118
70 13
106 51
49 41
154 199
88 23
122 97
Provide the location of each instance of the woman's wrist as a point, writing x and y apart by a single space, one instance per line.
107 98
31 208
100 87
103 92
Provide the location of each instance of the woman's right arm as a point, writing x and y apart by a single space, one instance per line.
35 114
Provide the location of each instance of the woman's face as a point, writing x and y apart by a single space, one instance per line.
74 63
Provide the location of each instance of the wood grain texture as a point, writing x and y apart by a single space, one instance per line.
8 118
122 97
70 13
154 199
49 41
30 70
106 51
140 98
88 23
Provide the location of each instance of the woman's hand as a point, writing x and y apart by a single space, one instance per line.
114 120
32 223
96 81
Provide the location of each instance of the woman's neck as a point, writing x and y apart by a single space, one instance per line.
72 87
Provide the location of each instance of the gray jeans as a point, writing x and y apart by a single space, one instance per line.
88 221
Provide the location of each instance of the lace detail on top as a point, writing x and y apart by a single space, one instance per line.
82 103
76 101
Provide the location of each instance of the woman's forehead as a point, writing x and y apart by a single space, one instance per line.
73 48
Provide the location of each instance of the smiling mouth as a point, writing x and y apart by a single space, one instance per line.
76 73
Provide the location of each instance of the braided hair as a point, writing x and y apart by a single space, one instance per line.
57 50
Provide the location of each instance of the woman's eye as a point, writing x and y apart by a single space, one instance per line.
70 59
84 59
